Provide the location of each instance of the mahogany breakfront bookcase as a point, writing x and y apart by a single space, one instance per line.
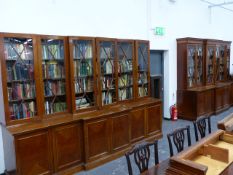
204 84
73 103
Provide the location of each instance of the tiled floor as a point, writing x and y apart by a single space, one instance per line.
119 166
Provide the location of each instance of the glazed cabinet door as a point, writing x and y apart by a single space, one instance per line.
19 77
154 119
143 68
83 73
33 154
67 146
53 59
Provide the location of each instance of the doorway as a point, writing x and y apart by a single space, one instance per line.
157 74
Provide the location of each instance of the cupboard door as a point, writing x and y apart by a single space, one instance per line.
142 66
201 108
218 98
97 142
83 67
120 131
125 59
231 91
33 154
154 117
138 122
226 96
68 146
106 54
54 73
19 77
209 101
191 65
220 63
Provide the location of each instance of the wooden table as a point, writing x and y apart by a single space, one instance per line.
228 170
159 169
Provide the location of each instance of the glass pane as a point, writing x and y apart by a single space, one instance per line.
125 70
199 65
54 75
210 65
191 66
107 76
20 77
83 73
220 63
142 69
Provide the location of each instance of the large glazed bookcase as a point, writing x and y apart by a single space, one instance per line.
73 103
204 86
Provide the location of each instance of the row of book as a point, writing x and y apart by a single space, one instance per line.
82 50
83 68
54 88
107 66
14 51
108 82
53 107
53 70
20 72
125 66
142 91
82 103
83 85
20 91
22 111
125 93
125 80
108 97
52 51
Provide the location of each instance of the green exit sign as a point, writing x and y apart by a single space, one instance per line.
159 31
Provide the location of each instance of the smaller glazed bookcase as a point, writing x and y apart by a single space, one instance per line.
203 77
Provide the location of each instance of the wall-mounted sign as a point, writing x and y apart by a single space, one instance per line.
159 31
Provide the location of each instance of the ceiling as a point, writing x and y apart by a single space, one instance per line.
225 4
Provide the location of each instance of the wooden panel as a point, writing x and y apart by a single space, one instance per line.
201 108
137 124
209 101
226 100
218 98
120 131
97 139
187 109
205 102
68 149
231 94
154 118
33 154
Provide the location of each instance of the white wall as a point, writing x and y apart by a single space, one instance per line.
131 19
184 18
104 18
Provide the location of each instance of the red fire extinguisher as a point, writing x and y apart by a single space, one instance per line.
173 112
